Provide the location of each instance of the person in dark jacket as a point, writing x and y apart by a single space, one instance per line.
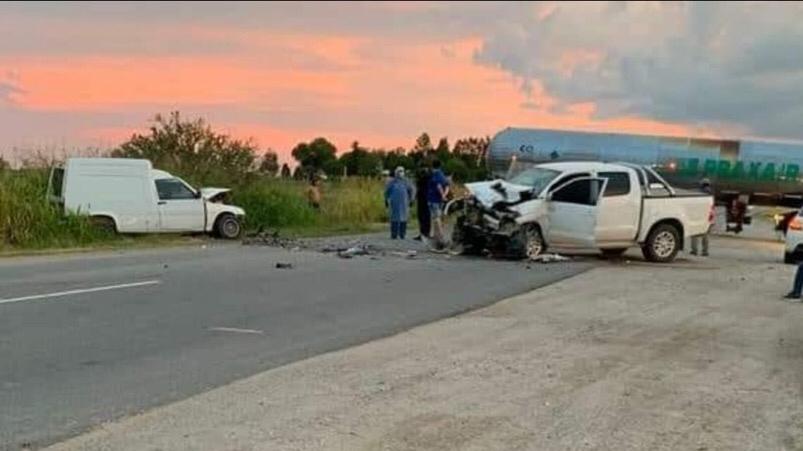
422 205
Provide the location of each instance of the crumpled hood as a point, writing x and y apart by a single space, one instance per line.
489 193
209 193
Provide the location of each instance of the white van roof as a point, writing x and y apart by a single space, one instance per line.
74 163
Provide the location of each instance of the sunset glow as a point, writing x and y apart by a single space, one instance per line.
73 76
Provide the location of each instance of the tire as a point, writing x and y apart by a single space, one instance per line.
789 258
662 244
614 253
104 223
464 243
527 242
228 227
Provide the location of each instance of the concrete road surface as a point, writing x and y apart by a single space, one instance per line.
701 354
88 338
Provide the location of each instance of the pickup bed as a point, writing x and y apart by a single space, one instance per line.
582 205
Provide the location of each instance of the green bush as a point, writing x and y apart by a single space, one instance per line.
282 203
27 220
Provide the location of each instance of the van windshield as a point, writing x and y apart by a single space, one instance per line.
537 178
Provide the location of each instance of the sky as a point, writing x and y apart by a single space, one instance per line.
88 75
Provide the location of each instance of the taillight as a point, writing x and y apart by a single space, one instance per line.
795 224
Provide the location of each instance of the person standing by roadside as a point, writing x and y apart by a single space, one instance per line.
314 192
702 240
797 286
437 192
399 197
422 205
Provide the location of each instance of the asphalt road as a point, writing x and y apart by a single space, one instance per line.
89 338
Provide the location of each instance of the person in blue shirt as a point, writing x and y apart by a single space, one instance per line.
399 194
437 191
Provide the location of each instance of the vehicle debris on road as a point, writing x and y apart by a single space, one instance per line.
281 265
550 258
271 238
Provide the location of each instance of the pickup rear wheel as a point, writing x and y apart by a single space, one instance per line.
228 227
662 244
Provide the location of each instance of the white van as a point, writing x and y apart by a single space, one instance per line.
129 196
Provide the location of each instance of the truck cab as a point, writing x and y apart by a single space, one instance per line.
581 205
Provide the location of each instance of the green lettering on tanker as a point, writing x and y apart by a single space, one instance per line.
724 169
792 172
710 167
769 172
754 167
739 170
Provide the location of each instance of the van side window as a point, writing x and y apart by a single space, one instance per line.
618 183
583 192
172 189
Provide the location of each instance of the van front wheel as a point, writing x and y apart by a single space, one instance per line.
228 227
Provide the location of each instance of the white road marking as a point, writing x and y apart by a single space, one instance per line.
80 291
234 329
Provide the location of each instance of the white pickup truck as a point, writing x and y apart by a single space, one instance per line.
582 205
129 196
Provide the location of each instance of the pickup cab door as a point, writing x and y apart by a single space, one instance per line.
619 208
572 211
180 208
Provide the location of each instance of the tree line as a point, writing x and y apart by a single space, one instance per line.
465 161
193 149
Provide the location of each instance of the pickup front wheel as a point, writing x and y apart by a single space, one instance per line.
527 242
228 227
662 244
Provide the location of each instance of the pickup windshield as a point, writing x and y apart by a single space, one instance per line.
538 178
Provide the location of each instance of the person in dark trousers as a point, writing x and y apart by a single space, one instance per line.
422 206
399 197
697 241
797 286
437 193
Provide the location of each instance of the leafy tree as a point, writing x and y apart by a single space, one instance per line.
318 155
423 144
361 161
269 165
192 149
458 169
286 174
398 157
443 146
4 164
